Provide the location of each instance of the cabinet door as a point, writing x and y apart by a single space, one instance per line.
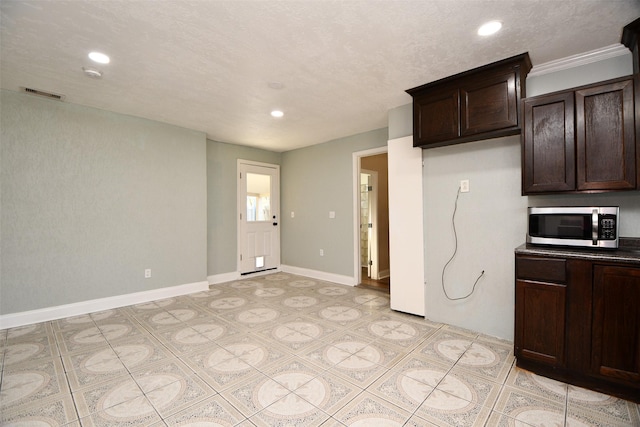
616 323
605 137
548 152
540 322
489 104
436 117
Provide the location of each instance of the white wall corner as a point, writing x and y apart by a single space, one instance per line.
67 310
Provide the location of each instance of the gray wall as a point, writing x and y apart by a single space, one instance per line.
314 181
222 236
491 218
91 198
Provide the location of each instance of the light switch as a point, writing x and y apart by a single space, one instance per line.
332 214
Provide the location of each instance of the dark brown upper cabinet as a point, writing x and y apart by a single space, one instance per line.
478 104
581 140
630 38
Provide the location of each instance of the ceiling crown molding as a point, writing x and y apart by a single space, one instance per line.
585 58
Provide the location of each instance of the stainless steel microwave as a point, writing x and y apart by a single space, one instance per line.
588 227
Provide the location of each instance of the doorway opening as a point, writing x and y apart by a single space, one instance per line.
372 219
258 196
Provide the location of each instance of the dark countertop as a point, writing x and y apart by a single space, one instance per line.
628 252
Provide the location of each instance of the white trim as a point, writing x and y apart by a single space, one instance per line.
585 58
223 277
58 312
356 156
320 275
384 274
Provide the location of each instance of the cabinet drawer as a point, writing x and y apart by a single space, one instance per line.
543 269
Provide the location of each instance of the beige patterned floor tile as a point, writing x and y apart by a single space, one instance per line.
600 409
55 411
469 387
213 411
297 333
290 410
529 408
254 394
80 339
341 346
490 360
445 346
32 382
442 408
185 339
341 315
35 348
369 410
422 369
137 412
27 332
496 419
140 350
395 330
93 366
171 392
332 422
221 368
99 397
401 390
255 316
538 385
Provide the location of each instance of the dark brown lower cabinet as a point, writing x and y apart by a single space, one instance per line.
540 321
578 321
616 323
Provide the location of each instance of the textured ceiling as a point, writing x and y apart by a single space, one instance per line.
206 65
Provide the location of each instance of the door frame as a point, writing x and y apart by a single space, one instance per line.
241 208
356 156
374 267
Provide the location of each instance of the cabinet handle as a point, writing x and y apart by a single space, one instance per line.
594 226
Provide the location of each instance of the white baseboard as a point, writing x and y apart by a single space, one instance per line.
223 278
384 274
52 313
320 275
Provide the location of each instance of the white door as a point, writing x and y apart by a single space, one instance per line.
258 216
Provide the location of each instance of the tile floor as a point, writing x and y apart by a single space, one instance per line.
279 350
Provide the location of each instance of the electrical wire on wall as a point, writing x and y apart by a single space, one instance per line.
455 251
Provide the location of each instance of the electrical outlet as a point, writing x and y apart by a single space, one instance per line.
293 214
321 252
464 186
147 273
332 214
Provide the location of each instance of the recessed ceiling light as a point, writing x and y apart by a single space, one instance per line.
277 113
98 57
489 28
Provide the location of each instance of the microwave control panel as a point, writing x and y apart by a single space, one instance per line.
607 228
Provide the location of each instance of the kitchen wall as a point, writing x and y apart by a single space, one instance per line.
491 219
314 181
90 199
222 235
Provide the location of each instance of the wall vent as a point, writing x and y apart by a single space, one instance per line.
44 94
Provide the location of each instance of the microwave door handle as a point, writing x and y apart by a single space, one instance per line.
594 226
